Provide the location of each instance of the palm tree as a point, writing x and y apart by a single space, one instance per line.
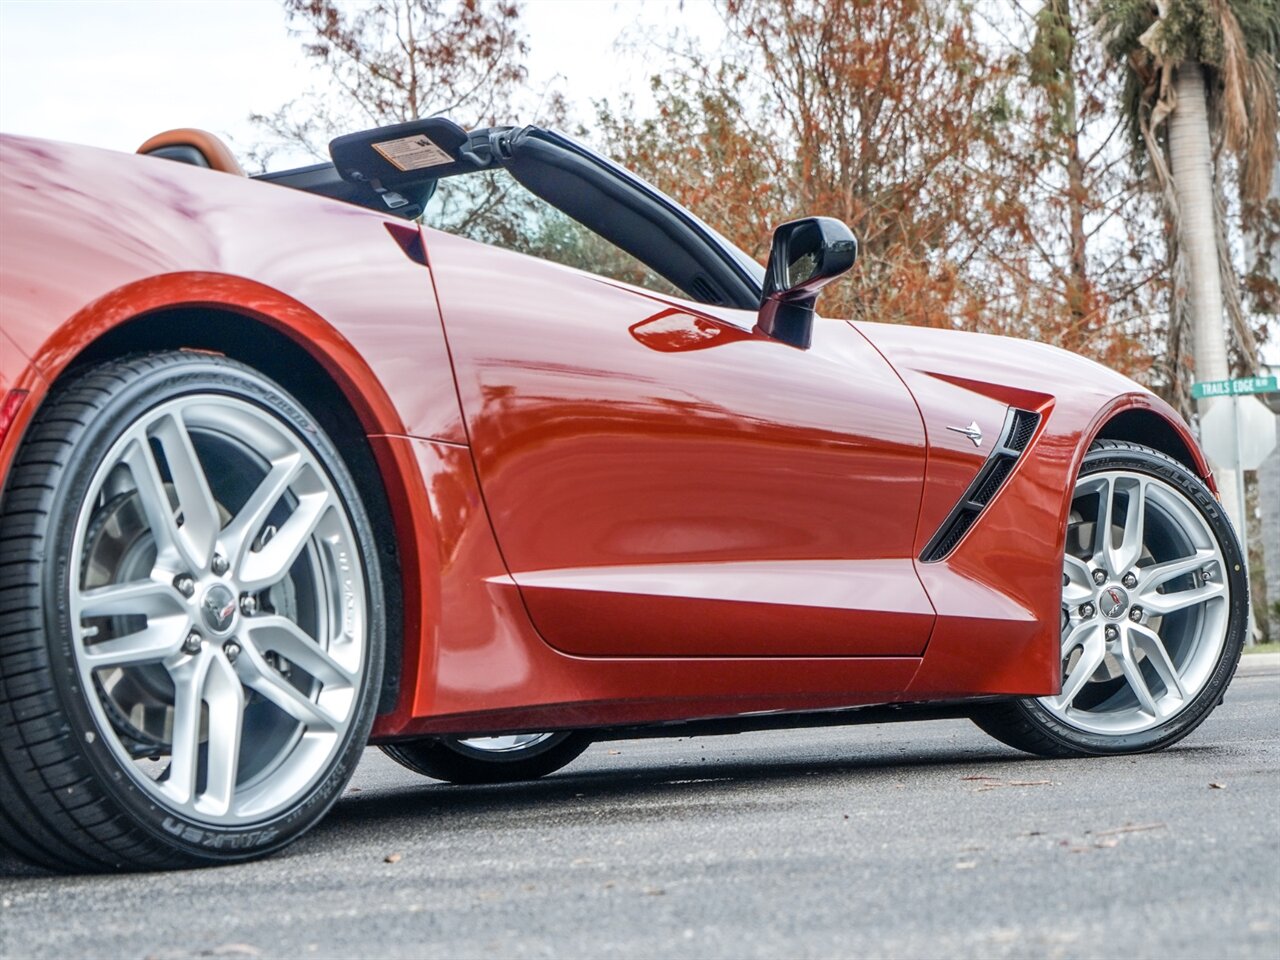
1201 84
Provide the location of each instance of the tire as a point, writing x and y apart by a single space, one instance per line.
189 588
489 759
1149 651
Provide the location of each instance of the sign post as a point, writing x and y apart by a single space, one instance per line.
1252 437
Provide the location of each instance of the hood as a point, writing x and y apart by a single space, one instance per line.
1018 372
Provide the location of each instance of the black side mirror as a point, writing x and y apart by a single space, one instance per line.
806 255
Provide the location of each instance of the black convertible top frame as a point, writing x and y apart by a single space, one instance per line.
601 195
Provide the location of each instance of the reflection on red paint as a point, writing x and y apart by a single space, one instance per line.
9 410
673 331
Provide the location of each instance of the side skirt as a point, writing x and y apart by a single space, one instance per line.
752 723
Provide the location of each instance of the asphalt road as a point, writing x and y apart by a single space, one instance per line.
912 840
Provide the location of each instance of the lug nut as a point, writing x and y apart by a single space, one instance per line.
1206 575
1086 610
1112 633
192 644
184 584
1135 614
232 650
248 604
219 564
1099 577
1129 580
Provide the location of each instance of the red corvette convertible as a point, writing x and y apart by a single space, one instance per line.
474 446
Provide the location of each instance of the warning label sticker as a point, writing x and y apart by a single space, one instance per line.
412 153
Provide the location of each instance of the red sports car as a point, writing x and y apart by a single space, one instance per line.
342 455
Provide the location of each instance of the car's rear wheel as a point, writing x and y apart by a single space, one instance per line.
1154 612
188 640
524 756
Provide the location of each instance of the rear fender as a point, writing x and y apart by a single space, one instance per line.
254 300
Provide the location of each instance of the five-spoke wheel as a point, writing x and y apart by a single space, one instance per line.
217 616
1144 604
1153 611
203 567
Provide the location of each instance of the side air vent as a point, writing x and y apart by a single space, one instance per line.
1019 428
953 532
1001 467
1024 425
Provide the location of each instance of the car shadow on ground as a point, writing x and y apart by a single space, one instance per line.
658 790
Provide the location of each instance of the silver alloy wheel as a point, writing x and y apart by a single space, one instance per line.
219 609
509 744
1145 602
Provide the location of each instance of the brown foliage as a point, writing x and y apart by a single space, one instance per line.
985 187
877 113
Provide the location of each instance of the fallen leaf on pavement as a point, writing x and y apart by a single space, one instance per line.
1217 786
992 784
1130 828
393 857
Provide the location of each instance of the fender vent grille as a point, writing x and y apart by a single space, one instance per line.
963 520
1001 467
1019 428
1024 425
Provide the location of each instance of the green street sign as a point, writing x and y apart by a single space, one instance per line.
1234 388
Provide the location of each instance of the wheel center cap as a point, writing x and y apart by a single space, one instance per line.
218 609
1113 602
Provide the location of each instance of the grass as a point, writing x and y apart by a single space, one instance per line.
1263 648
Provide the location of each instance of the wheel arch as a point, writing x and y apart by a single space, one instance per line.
1140 424
276 350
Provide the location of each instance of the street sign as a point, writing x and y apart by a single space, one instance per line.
1234 388
1238 439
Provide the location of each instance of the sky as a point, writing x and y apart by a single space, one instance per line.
112 73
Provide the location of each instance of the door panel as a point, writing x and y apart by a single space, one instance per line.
662 481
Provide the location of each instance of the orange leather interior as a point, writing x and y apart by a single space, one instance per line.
215 152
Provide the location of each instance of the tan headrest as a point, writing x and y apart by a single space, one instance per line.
216 154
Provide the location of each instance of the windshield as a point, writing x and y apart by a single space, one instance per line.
749 266
490 207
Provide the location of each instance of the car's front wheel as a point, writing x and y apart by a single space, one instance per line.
1154 612
189 638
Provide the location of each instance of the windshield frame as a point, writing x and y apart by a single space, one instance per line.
749 269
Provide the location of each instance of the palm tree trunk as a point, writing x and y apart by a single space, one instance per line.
1191 165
